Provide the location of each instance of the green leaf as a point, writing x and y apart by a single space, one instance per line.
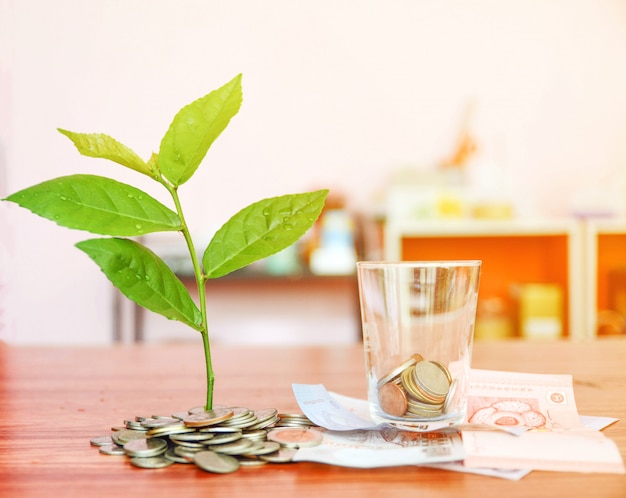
144 278
260 230
106 147
97 204
195 128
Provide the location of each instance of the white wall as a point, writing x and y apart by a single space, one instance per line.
337 93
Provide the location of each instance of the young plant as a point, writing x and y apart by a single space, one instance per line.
105 206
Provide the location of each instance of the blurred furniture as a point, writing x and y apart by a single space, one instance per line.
583 257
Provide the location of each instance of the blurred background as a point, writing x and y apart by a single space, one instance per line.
444 129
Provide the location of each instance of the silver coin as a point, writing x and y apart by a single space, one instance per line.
256 435
266 414
180 415
215 462
170 430
171 455
241 421
293 420
134 424
251 462
225 438
283 455
235 448
101 441
200 409
450 396
152 423
206 418
157 462
112 449
240 411
218 429
264 448
189 444
123 437
187 453
191 437
293 416
144 448
264 423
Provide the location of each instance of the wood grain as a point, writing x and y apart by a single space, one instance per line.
53 400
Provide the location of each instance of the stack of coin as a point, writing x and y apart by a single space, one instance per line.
219 440
416 388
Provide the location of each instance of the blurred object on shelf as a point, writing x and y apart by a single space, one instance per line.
335 254
466 145
493 320
613 320
607 201
493 210
285 262
610 322
617 289
539 310
424 195
467 184
436 195
332 247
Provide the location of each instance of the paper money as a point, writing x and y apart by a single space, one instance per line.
581 450
511 399
539 426
342 413
383 448
504 400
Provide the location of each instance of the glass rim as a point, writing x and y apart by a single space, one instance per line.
441 263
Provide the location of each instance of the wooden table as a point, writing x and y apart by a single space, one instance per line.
53 400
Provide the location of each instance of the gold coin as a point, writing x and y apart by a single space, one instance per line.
396 372
444 369
417 357
392 399
431 379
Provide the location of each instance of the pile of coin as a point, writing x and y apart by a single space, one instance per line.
416 388
220 440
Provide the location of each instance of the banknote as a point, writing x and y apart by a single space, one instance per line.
581 450
509 401
386 447
512 399
537 422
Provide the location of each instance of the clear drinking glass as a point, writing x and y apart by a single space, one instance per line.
418 331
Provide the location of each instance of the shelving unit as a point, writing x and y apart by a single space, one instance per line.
604 251
512 251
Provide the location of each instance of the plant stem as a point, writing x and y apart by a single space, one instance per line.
200 282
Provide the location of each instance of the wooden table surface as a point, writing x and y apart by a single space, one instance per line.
54 400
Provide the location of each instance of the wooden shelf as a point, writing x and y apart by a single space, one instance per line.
605 251
512 251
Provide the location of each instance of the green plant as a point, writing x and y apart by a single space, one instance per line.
108 207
